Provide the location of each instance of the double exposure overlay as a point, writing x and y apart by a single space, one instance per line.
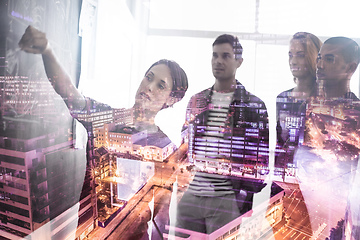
157 119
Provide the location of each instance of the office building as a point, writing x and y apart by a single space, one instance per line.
42 176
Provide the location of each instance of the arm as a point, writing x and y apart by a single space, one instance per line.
34 41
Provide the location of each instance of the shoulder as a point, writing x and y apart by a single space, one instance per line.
199 98
203 94
160 134
285 93
159 138
241 94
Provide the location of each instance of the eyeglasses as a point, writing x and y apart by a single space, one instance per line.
330 59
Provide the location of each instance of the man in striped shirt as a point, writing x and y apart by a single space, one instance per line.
228 142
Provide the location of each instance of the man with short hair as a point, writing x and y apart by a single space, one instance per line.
327 164
337 61
228 132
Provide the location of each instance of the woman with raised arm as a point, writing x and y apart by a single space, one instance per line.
164 84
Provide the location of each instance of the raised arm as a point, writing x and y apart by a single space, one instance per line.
35 41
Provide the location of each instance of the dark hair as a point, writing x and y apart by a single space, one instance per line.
233 41
349 48
312 45
178 75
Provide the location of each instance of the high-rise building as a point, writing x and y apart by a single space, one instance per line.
41 180
98 116
123 116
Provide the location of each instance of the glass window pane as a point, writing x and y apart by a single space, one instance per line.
321 17
205 15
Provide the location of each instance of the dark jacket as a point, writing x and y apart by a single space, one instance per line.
247 121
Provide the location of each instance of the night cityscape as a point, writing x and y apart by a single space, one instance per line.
121 206
68 173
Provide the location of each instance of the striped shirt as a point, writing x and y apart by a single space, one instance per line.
208 148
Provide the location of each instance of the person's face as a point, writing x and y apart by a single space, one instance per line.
331 66
223 62
154 90
297 60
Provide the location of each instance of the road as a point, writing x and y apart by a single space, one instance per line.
133 221
296 225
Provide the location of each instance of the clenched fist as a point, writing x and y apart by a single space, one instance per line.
33 41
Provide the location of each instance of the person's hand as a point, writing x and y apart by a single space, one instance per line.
33 41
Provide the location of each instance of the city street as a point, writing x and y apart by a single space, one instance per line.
132 221
296 223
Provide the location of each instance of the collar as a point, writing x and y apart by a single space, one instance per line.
237 93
